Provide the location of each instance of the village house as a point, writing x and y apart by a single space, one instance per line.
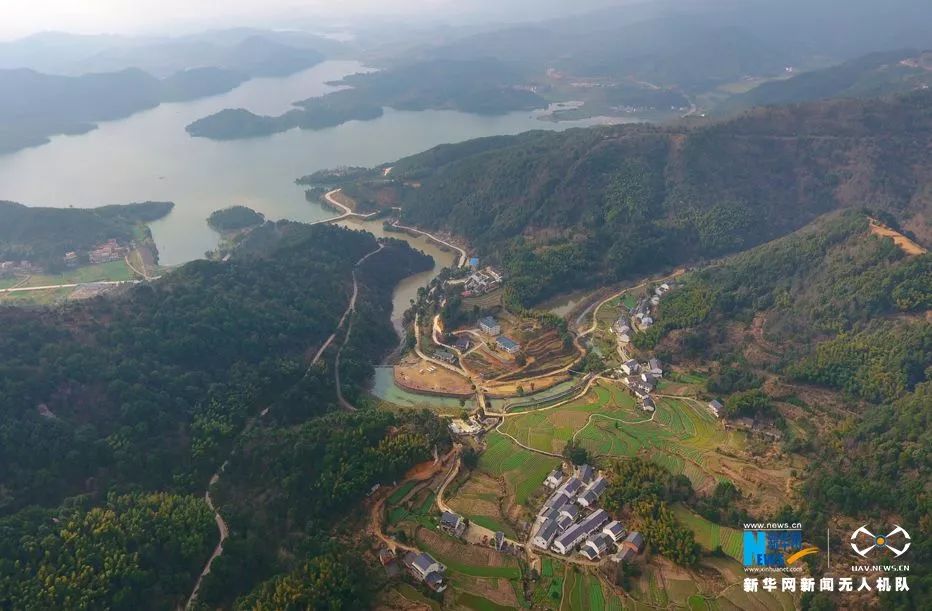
452 523
435 582
653 365
462 343
553 480
573 535
571 511
458 426
716 407
489 326
594 546
634 541
508 345
564 521
386 556
630 367
545 534
614 530
640 388
647 404
481 282
571 487
422 565
625 554
648 379
558 499
591 494
107 251
445 355
585 473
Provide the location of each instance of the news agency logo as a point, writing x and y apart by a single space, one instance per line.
897 541
773 547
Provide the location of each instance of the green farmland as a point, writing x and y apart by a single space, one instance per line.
606 422
523 470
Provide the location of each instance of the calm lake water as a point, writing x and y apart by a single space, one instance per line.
149 156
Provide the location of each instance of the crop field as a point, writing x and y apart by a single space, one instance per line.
680 437
479 499
584 593
524 471
114 270
709 534
469 560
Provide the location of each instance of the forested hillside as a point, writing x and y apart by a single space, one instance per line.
44 235
148 391
563 210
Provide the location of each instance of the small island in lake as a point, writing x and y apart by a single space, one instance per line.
235 218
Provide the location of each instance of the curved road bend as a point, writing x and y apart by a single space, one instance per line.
430 236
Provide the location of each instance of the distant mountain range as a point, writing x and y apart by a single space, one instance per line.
870 76
46 104
251 51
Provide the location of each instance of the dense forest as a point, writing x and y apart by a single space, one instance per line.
234 218
44 235
286 485
481 86
134 551
148 390
571 209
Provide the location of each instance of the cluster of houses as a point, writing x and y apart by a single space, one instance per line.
465 427
641 379
640 315
492 328
482 281
10 268
426 569
570 520
455 525
111 250
444 355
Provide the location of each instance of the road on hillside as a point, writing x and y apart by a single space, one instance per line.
221 524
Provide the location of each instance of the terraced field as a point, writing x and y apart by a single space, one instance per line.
479 500
523 470
682 436
709 534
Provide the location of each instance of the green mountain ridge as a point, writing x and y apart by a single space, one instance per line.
573 209
874 75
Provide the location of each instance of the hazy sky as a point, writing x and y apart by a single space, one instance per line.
23 17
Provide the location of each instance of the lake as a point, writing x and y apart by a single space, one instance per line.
149 156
